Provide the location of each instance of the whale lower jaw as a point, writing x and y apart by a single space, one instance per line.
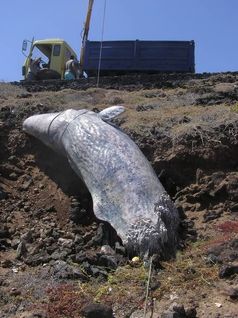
145 238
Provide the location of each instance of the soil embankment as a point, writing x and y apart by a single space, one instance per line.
52 260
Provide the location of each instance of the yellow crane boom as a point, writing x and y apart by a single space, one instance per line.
85 33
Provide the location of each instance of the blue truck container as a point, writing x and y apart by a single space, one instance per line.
122 57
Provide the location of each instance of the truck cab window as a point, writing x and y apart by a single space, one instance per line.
56 51
43 52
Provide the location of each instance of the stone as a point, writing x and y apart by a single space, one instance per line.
7 263
191 312
65 242
138 314
51 249
156 261
60 255
13 176
108 261
33 314
107 250
234 208
27 208
62 270
142 108
37 259
3 195
78 240
24 95
48 241
199 175
154 285
98 238
12 159
4 244
25 186
50 208
170 314
94 271
15 243
97 311
27 237
119 249
4 232
36 249
175 311
211 215
14 292
178 308
39 213
55 234
212 259
78 215
233 293
80 257
21 250
227 271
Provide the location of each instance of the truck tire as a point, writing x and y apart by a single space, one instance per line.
45 74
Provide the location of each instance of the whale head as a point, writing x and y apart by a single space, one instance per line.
49 128
46 127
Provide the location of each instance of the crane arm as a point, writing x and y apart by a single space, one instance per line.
85 33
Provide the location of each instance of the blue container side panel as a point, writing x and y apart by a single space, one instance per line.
167 56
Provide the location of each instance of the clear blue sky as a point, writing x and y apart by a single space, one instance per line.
212 24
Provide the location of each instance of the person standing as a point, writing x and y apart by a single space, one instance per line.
72 69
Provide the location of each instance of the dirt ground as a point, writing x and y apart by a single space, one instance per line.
52 262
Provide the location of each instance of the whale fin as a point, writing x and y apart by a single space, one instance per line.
109 113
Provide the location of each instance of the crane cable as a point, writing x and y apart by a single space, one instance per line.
102 35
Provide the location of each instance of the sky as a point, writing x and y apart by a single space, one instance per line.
212 24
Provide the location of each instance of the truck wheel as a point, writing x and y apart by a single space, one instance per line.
45 74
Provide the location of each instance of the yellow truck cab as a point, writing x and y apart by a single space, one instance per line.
53 54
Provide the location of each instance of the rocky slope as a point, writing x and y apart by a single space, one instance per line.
56 257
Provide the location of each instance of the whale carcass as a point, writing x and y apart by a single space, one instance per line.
124 188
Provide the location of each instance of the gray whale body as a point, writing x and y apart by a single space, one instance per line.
124 188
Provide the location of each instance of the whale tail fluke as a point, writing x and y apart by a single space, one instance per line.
109 113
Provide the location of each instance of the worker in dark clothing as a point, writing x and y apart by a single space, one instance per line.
34 68
72 69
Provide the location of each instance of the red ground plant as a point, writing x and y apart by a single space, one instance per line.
228 227
65 300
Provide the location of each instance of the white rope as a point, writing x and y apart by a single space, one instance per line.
147 287
67 125
102 36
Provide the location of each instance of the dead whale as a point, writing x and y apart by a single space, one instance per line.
125 190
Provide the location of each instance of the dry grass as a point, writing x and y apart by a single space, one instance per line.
10 91
125 287
192 126
189 272
179 121
234 108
